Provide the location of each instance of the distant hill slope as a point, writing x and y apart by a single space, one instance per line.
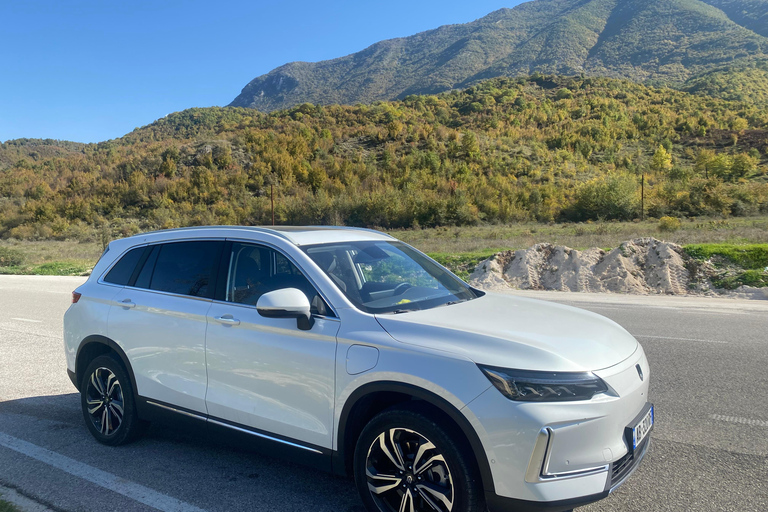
742 81
751 14
505 150
13 151
664 41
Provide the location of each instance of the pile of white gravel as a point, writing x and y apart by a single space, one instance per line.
642 266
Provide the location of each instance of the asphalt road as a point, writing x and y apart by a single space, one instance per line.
709 361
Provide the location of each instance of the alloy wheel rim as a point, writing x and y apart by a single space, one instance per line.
105 401
406 473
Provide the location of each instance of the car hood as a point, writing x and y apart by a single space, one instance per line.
515 332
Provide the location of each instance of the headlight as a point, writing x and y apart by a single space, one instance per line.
530 386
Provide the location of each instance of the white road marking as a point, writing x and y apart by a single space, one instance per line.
114 483
681 339
738 419
28 320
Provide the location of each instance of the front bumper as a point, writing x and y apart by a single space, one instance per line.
620 471
557 456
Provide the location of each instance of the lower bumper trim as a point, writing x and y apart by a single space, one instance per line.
501 504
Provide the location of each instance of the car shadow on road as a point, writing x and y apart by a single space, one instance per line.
186 464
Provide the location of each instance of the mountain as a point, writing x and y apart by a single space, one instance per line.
661 41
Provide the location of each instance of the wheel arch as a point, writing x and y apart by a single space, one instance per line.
372 398
94 346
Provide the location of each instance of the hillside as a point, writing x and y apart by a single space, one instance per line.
543 148
35 149
744 81
663 41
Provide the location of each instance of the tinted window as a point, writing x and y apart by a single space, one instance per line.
123 270
142 281
256 270
186 268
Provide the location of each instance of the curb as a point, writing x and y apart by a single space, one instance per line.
21 502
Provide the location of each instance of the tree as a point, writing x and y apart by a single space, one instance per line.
661 161
470 145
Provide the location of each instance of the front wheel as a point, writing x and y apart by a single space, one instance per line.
108 403
406 461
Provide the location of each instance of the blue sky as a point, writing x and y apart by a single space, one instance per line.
93 70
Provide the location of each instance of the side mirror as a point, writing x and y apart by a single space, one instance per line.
286 303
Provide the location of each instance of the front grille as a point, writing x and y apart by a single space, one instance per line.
622 468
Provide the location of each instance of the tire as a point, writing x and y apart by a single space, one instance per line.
406 459
108 402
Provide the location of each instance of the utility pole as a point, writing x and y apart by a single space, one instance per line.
642 196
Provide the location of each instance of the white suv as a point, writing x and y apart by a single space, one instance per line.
353 352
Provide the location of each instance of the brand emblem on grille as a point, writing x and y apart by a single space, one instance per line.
639 371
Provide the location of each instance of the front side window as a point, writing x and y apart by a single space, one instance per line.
184 268
385 277
255 270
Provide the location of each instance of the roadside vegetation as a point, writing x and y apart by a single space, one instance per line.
735 265
8 507
737 248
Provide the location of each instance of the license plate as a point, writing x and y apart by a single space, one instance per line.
640 430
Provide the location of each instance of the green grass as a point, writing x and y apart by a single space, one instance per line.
754 278
48 258
752 257
8 507
464 263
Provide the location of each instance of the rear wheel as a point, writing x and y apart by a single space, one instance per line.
108 403
405 461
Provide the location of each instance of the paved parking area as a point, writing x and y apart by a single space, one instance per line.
709 453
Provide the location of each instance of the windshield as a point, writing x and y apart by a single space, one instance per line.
386 277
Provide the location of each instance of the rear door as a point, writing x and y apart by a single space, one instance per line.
159 320
265 373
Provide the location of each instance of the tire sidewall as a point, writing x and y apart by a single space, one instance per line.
129 426
466 486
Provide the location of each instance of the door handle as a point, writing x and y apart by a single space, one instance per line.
227 320
127 303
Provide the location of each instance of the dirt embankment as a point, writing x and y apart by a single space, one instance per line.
641 266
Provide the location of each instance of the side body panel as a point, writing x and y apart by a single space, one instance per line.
87 318
163 335
267 374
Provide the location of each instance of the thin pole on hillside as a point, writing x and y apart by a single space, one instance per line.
642 196
272 195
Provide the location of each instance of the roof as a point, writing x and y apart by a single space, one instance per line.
297 235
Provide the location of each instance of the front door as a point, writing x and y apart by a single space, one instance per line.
265 373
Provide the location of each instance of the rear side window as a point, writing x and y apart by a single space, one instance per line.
185 268
123 270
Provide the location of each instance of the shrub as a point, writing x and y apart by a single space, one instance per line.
614 196
11 257
669 224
